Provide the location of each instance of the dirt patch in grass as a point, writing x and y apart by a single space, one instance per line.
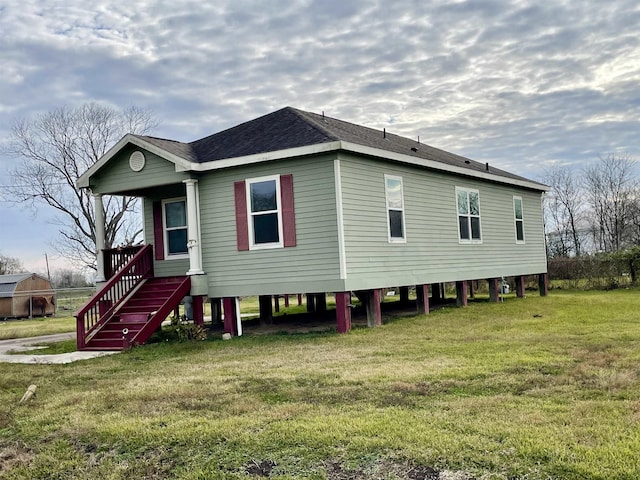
14 455
381 469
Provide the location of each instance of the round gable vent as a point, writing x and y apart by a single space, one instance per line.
136 161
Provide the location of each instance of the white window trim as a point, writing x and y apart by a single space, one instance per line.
516 220
250 215
167 255
470 240
386 201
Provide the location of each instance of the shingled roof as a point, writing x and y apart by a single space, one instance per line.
290 128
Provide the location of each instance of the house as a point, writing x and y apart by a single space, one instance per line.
300 202
26 295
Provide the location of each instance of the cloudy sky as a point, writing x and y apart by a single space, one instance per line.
521 84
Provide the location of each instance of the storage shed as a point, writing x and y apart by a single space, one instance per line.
26 295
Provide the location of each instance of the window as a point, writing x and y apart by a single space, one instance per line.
175 227
517 213
265 213
263 205
395 208
468 203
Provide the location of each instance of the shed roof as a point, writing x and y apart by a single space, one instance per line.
9 283
290 128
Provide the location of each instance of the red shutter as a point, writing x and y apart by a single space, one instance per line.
242 227
158 231
288 211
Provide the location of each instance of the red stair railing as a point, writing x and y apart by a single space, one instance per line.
100 308
116 258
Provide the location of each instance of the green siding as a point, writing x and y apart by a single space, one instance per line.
163 268
117 176
432 252
311 266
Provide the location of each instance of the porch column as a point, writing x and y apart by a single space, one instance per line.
520 286
99 214
493 290
193 227
461 293
422 301
343 311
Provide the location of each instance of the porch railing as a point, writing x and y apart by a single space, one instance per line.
116 258
100 308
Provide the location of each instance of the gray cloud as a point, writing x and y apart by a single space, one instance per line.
516 83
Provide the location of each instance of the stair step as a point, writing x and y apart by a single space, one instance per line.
135 314
105 344
112 334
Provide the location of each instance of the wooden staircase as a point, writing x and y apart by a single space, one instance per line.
130 306
139 316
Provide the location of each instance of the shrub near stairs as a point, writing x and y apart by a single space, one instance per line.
186 331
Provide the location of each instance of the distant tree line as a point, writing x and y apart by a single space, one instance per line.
10 265
594 213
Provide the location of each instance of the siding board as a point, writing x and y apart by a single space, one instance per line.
117 176
311 265
432 252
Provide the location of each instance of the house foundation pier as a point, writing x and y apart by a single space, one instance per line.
311 303
461 293
422 298
198 309
266 311
320 303
216 311
472 288
543 284
404 296
436 296
276 302
343 311
371 301
494 289
520 293
231 317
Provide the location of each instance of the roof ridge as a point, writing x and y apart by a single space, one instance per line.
161 138
308 118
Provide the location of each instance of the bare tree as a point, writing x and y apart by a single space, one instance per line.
564 206
9 265
55 149
611 188
67 278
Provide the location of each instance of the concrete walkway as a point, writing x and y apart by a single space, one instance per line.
27 344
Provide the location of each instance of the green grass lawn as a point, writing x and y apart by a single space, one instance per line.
22 328
537 388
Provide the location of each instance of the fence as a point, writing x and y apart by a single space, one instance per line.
68 300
